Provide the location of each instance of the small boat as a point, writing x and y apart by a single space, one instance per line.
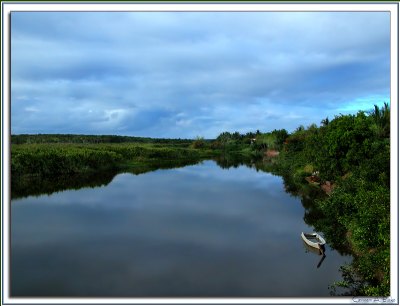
309 249
314 240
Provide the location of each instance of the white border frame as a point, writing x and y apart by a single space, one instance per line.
7 7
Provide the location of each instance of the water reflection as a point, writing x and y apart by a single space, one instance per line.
36 185
197 231
315 251
25 186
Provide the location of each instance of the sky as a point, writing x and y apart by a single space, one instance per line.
193 74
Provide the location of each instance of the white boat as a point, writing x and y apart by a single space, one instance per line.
314 240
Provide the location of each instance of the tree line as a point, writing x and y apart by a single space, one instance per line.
90 139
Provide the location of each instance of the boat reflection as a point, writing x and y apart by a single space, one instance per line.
316 251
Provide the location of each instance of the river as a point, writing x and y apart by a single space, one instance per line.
195 231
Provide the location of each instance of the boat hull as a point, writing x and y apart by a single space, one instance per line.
313 240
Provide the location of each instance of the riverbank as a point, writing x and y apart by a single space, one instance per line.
348 159
49 159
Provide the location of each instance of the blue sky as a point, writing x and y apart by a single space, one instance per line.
188 74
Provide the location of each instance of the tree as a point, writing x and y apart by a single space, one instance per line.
381 117
325 122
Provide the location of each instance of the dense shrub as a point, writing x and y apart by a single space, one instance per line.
58 159
54 159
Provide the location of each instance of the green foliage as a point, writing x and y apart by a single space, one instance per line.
352 284
55 159
234 143
272 140
93 139
199 143
250 144
344 144
381 119
354 152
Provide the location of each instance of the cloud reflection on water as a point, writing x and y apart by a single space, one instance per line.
195 231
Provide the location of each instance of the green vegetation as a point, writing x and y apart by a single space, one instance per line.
94 139
56 159
250 144
49 159
46 167
352 154
49 155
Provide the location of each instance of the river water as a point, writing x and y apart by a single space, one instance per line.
196 231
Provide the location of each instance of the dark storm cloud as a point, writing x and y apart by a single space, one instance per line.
184 74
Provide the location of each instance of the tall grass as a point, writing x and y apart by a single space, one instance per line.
55 159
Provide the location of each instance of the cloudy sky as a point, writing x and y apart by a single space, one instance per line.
188 74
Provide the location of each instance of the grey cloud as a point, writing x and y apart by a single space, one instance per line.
224 70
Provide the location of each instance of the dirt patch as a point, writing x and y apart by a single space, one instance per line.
271 153
327 187
313 179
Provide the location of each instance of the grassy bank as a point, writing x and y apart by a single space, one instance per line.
49 159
